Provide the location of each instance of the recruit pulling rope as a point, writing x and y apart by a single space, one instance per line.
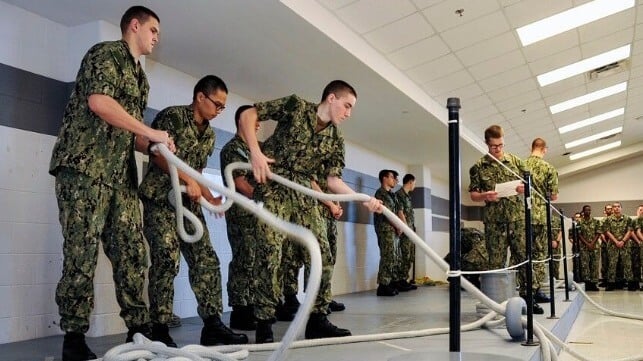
143 349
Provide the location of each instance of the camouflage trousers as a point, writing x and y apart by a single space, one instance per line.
613 254
294 256
241 271
387 241
159 222
90 212
604 260
407 256
499 236
589 262
635 251
299 209
539 248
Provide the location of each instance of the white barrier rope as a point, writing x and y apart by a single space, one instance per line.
142 349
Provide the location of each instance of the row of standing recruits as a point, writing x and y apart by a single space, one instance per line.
96 187
616 242
397 251
504 217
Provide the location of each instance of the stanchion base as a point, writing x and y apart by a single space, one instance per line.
532 343
431 355
554 317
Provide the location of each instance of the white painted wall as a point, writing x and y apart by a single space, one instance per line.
616 181
30 235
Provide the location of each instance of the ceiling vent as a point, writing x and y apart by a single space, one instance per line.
609 69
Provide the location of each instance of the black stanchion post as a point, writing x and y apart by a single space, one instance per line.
453 104
528 266
578 273
564 241
550 252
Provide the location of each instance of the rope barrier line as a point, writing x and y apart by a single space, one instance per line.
142 348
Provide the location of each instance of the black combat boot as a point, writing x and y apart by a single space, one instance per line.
283 313
75 348
335 306
386 290
536 307
291 303
633 286
540 297
214 332
264 332
590 286
144 330
318 326
161 332
242 318
401 286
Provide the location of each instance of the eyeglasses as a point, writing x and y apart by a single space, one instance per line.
220 107
496 146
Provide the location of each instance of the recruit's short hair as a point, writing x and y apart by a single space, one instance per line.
138 12
385 172
237 114
208 85
339 88
408 178
493 132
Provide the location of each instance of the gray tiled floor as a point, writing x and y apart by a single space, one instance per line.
365 314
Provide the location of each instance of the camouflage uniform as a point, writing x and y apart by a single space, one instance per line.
300 154
504 220
618 227
406 246
637 223
194 147
588 229
95 171
241 226
604 256
556 253
544 178
386 239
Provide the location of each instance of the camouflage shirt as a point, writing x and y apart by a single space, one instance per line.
300 153
192 146
236 150
87 143
485 174
638 223
544 179
323 209
618 226
389 200
589 228
404 202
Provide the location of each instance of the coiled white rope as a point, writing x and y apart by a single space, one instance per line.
142 349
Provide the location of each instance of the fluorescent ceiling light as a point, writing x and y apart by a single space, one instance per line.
582 66
594 137
602 148
570 19
588 98
592 120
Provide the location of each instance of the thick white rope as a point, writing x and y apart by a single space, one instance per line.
306 238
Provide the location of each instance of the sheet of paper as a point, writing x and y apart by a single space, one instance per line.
508 188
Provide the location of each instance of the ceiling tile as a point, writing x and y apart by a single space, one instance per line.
467 92
562 86
448 83
528 11
513 89
335 4
423 4
443 16
607 43
418 53
380 13
556 61
400 33
435 69
488 49
484 116
553 45
475 103
529 101
606 26
507 78
497 65
475 31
